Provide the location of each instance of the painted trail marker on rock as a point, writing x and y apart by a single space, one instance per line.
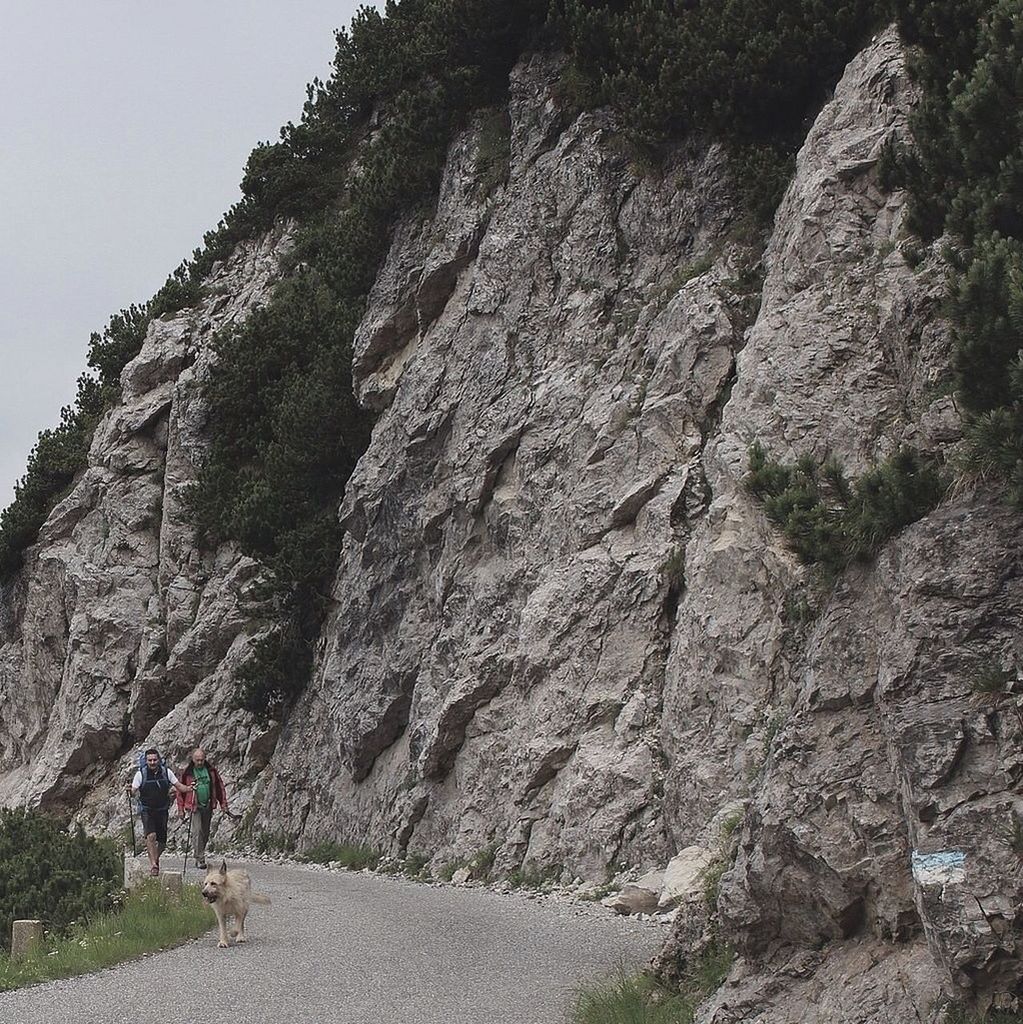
947 867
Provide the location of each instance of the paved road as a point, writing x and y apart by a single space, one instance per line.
344 948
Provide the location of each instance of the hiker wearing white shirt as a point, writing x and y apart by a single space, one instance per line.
153 785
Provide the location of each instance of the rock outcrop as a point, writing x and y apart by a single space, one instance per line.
563 638
120 629
545 361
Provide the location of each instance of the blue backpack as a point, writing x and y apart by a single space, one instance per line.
154 794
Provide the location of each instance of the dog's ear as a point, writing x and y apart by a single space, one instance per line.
223 867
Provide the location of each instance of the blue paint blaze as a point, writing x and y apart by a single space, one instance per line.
945 859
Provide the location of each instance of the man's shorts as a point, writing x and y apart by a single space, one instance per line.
155 821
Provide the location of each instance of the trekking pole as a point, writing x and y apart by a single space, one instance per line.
131 815
188 844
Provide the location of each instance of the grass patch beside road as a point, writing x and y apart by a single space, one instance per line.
354 858
641 999
635 1000
150 919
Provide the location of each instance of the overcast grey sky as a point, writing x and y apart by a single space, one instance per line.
124 127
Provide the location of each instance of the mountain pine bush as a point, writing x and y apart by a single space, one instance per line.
747 72
48 873
831 522
965 178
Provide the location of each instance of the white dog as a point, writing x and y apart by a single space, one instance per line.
230 893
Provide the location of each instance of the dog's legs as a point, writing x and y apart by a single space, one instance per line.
240 921
223 943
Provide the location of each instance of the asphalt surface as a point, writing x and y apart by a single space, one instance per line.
347 948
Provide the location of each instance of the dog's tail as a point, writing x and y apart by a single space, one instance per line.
258 897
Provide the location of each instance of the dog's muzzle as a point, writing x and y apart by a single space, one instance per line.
209 898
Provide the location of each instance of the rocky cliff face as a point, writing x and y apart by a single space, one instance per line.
119 628
493 669
561 630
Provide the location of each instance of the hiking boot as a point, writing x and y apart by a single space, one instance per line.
154 870
201 865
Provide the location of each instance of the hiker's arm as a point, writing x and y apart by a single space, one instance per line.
173 780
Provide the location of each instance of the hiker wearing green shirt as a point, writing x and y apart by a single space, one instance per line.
209 793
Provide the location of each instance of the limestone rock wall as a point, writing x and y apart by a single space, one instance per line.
120 631
561 632
546 361
846 715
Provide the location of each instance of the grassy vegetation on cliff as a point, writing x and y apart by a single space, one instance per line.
642 1000
345 855
632 1000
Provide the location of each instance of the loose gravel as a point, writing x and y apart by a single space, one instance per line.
339 947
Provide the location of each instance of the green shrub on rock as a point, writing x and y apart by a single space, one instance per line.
965 178
747 73
53 875
831 522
